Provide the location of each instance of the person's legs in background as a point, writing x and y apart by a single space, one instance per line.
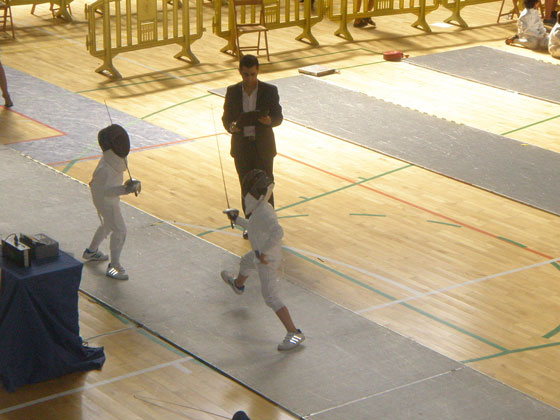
4 87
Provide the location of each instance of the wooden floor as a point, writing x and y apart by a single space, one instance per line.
468 269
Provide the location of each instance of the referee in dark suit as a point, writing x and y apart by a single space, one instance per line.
252 146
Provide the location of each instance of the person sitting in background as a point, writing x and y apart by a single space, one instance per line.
531 32
554 39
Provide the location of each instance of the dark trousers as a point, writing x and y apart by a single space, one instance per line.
249 160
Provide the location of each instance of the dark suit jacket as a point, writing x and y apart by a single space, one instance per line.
267 100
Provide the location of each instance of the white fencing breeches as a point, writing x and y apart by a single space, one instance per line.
534 43
112 223
268 275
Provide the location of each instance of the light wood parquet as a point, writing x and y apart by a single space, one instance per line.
471 263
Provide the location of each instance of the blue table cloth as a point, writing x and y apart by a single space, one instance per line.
39 331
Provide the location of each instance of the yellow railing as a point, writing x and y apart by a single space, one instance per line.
456 6
124 26
344 11
278 14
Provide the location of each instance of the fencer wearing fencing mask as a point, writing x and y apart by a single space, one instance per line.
259 188
106 188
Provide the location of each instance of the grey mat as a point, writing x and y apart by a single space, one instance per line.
497 68
348 368
78 117
524 173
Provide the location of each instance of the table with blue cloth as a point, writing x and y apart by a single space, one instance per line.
39 331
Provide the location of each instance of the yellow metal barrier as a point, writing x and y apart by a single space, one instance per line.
125 26
278 14
456 6
338 11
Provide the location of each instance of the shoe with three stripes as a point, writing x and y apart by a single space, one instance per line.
117 272
94 255
291 341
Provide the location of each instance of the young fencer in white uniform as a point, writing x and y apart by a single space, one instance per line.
531 32
265 235
554 39
106 188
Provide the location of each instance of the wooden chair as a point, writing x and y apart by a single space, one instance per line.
514 12
52 9
517 5
240 27
7 9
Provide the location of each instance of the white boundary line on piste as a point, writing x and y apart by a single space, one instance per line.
95 385
455 286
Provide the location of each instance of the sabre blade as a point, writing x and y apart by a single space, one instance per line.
108 113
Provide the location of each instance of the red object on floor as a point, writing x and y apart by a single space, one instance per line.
394 55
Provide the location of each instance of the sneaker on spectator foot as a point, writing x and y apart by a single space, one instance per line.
94 256
230 281
291 341
117 272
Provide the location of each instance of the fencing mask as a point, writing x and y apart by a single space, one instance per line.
258 187
116 138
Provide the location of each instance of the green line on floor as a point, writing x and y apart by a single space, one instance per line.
368 214
164 79
552 333
529 125
325 194
444 223
420 311
511 242
504 353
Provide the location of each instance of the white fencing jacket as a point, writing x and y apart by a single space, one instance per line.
107 182
530 24
265 233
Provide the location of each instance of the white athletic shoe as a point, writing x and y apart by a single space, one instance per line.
94 256
230 281
117 272
291 341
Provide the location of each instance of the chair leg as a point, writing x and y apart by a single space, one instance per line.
237 51
8 14
500 12
266 44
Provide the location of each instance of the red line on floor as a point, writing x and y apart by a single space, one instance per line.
152 146
39 138
411 204
62 133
